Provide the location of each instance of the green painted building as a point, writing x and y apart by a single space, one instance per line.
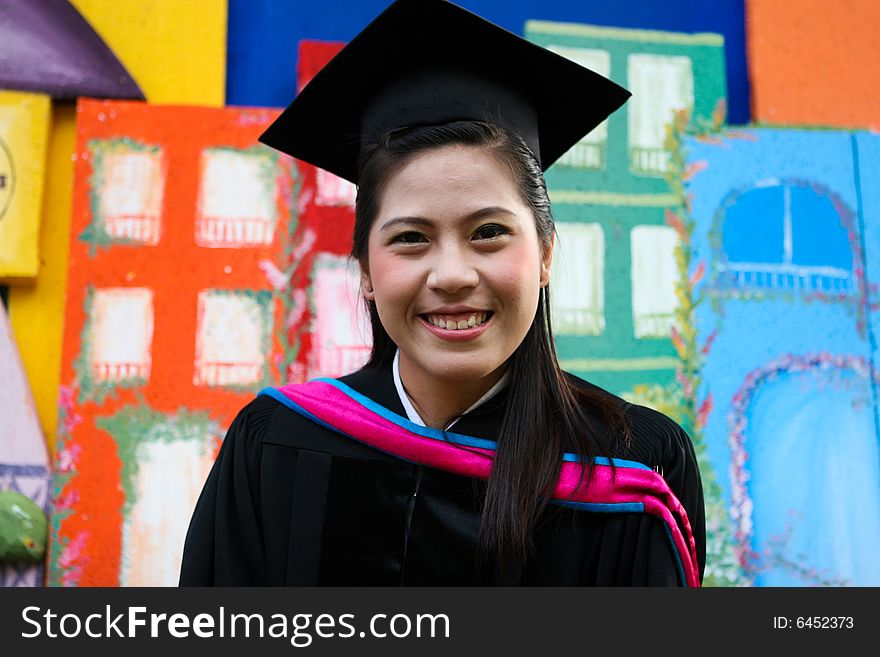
614 271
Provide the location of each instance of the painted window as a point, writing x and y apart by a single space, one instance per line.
237 198
121 334
578 279
589 152
130 185
813 487
660 85
786 236
341 329
232 337
333 190
654 275
171 469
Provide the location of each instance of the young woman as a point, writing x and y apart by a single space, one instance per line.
461 453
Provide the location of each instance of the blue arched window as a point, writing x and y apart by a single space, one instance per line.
786 235
814 479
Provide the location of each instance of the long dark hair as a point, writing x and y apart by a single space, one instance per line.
544 414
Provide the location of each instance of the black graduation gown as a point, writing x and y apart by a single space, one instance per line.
289 502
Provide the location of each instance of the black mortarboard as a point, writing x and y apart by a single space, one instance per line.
429 62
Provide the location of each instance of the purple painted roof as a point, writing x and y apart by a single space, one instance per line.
48 47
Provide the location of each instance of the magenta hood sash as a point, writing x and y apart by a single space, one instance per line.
618 486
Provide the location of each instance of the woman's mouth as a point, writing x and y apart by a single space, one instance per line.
458 326
458 321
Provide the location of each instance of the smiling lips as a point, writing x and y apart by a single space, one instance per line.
457 326
458 321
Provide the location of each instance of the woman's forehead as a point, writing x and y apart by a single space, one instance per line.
462 179
476 172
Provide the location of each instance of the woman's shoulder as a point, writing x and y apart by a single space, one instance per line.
273 421
658 441
267 419
253 420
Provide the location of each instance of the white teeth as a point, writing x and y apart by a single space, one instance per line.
456 325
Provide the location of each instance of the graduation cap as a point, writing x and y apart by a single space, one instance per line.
430 62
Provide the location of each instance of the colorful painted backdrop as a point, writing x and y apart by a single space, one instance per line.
720 272
179 225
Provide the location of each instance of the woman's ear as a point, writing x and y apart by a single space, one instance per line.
546 259
366 283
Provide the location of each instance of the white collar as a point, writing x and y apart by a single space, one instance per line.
411 412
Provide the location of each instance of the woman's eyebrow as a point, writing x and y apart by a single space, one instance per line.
416 221
423 221
487 212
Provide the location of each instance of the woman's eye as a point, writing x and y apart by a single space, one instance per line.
490 231
409 238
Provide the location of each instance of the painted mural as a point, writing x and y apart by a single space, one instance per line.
24 470
783 236
722 275
264 35
204 267
171 327
176 52
328 330
50 48
828 81
24 131
621 289
49 52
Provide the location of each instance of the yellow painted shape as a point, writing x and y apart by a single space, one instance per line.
174 49
36 312
24 129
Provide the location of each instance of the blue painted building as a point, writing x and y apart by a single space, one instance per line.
787 224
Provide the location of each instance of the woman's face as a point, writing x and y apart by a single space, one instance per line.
455 266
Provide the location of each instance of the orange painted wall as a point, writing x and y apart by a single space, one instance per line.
88 509
814 62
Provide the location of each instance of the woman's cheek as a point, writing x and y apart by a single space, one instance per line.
512 273
393 280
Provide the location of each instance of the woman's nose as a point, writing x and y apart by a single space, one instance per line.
452 271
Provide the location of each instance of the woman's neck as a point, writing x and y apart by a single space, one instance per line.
437 401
